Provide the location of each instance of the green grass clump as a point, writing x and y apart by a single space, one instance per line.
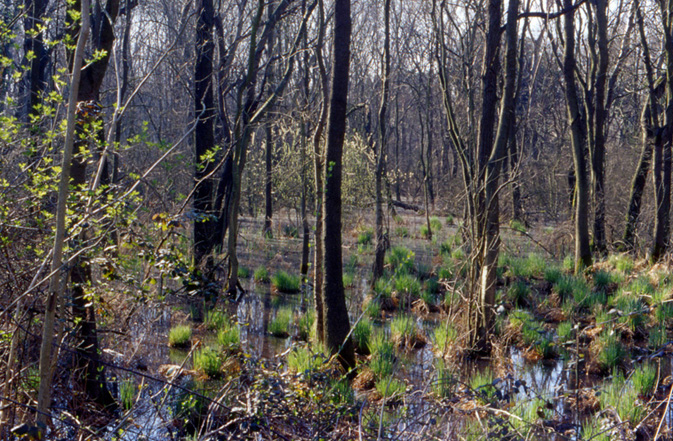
573 287
633 310
243 272
518 293
482 385
446 383
207 360
640 286
404 331
402 231
593 430
229 336
348 280
602 279
458 254
261 275
215 319
303 360
401 259
446 247
644 379
383 356
622 263
445 273
366 237
568 264
611 352
623 397
553 275
305 325
383 288
285 282
450 220
565 332
408 285
280 325
435 223
389 387
362 333
424 232
372 309
657 337
127 394
180 336
444 337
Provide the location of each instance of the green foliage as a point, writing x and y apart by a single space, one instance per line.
362 332
280 325
389 387
444 336
640 286
373 309
623 397
243 272
449 220
553 275
348 279
611 352
383 356
261 275
435 224
445 248
633 311
592 430
383 288
568 264
408 285
127 393
216 319
424 231
365 237
482 384
622 263
229 336
517 226
445 386
402 231
305 325
403 329
644 379
518 292
287 283
658 336
565 332
207 360
602 279
303 360
401 259
180 336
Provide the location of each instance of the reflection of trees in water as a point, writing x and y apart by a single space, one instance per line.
250 314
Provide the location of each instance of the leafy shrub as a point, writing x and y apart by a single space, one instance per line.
179 336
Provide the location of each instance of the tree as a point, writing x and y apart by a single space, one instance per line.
336 326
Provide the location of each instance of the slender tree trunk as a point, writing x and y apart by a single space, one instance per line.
336 326
57 279
268 185
382 150
579 139
204 135
34 44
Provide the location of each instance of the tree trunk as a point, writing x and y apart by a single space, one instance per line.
34 44
268 185
204 135
56 280
336 326
381 151
579 139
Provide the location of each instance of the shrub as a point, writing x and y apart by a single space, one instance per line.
280 325
207 360
361 335
179 336
390 387
285 282
261 275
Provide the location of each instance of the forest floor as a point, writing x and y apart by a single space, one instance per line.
576 357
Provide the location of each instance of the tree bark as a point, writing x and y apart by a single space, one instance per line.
336 326
583 256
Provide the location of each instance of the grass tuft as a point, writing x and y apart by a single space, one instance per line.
207 360
180 336
285 282
280 325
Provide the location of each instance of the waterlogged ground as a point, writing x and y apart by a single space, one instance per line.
545 387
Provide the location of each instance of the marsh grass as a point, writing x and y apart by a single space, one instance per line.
383 356
610 350
518 293
287 283
444 337
401 259
405 332
390 387
446 383
365 237
180 336
229 336
623 397
207 360
303 359
280 325
622 263
481 384
215 320
644 379
361 336
261 275
127 394
305 325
